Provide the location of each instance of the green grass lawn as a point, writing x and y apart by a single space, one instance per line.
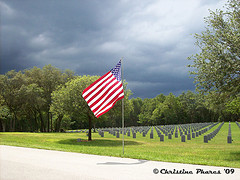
216 152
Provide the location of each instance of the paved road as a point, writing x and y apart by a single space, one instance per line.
17 163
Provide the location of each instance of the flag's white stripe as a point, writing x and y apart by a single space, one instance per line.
96 90
95 85
99 97
99 106
103 98
121 95
108 107
103 106
106 89
108 100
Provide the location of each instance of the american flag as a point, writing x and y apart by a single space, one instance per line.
102 95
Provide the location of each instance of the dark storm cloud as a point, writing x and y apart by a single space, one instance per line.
89 37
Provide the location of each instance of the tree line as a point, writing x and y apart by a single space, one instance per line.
49 100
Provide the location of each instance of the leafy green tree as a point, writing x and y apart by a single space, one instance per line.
32 103
10 85
5 115
27 96
215 103
146 112
68 100
48 79
217 66
194 107
233 107
136 110
170 111
147 115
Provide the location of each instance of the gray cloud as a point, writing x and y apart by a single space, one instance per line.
89 37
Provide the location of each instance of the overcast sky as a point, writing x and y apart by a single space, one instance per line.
155 37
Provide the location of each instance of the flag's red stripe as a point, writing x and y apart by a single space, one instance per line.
109 96
109 103
110 107
103 95
96 90
95 82
107 109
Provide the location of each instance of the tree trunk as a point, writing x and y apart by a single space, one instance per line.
2 126
36 122
14 122
42 122
51 122
58 123
10 125
48 121
89 128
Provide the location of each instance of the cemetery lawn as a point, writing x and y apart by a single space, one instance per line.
216 152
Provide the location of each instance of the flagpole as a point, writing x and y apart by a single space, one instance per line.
122 107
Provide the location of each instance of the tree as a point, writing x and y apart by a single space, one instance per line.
48 79
10 84
170 111
217 66
149 114
215 103
32 104
136 110
26 97
68 100
194 106
233 107
5 115
146 112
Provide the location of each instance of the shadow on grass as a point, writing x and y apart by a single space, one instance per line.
98 142
234 156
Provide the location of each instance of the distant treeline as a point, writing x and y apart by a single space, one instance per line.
48 99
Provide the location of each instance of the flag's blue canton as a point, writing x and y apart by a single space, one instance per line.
117 71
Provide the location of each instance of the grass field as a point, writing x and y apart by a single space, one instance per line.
216 152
